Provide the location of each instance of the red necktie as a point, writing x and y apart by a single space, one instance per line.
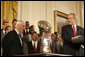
34 47
74 30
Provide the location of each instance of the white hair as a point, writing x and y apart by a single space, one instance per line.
19 22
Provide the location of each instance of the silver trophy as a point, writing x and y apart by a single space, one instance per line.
44 27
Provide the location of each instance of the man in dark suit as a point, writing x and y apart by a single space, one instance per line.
12 43
26 31
73 36
34 45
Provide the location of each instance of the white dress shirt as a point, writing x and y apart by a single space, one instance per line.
75 27
4 31
36 42
26 30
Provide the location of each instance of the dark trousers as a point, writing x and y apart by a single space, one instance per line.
80 52
68 50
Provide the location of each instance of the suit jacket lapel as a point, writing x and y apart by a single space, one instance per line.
70 29
32 47
38 46
78 30
17 38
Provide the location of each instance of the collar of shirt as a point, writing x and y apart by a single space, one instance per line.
4 31
16 31
26 30
35 43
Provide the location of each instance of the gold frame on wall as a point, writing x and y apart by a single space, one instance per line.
58 13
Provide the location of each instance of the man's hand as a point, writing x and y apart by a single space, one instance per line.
75 37
82 46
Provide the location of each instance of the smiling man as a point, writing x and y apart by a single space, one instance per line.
12 42
73 36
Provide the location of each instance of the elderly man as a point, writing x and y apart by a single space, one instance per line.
12 42
73 36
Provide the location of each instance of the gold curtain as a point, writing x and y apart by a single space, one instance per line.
8 11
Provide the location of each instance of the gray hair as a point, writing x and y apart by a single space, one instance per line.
19 22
